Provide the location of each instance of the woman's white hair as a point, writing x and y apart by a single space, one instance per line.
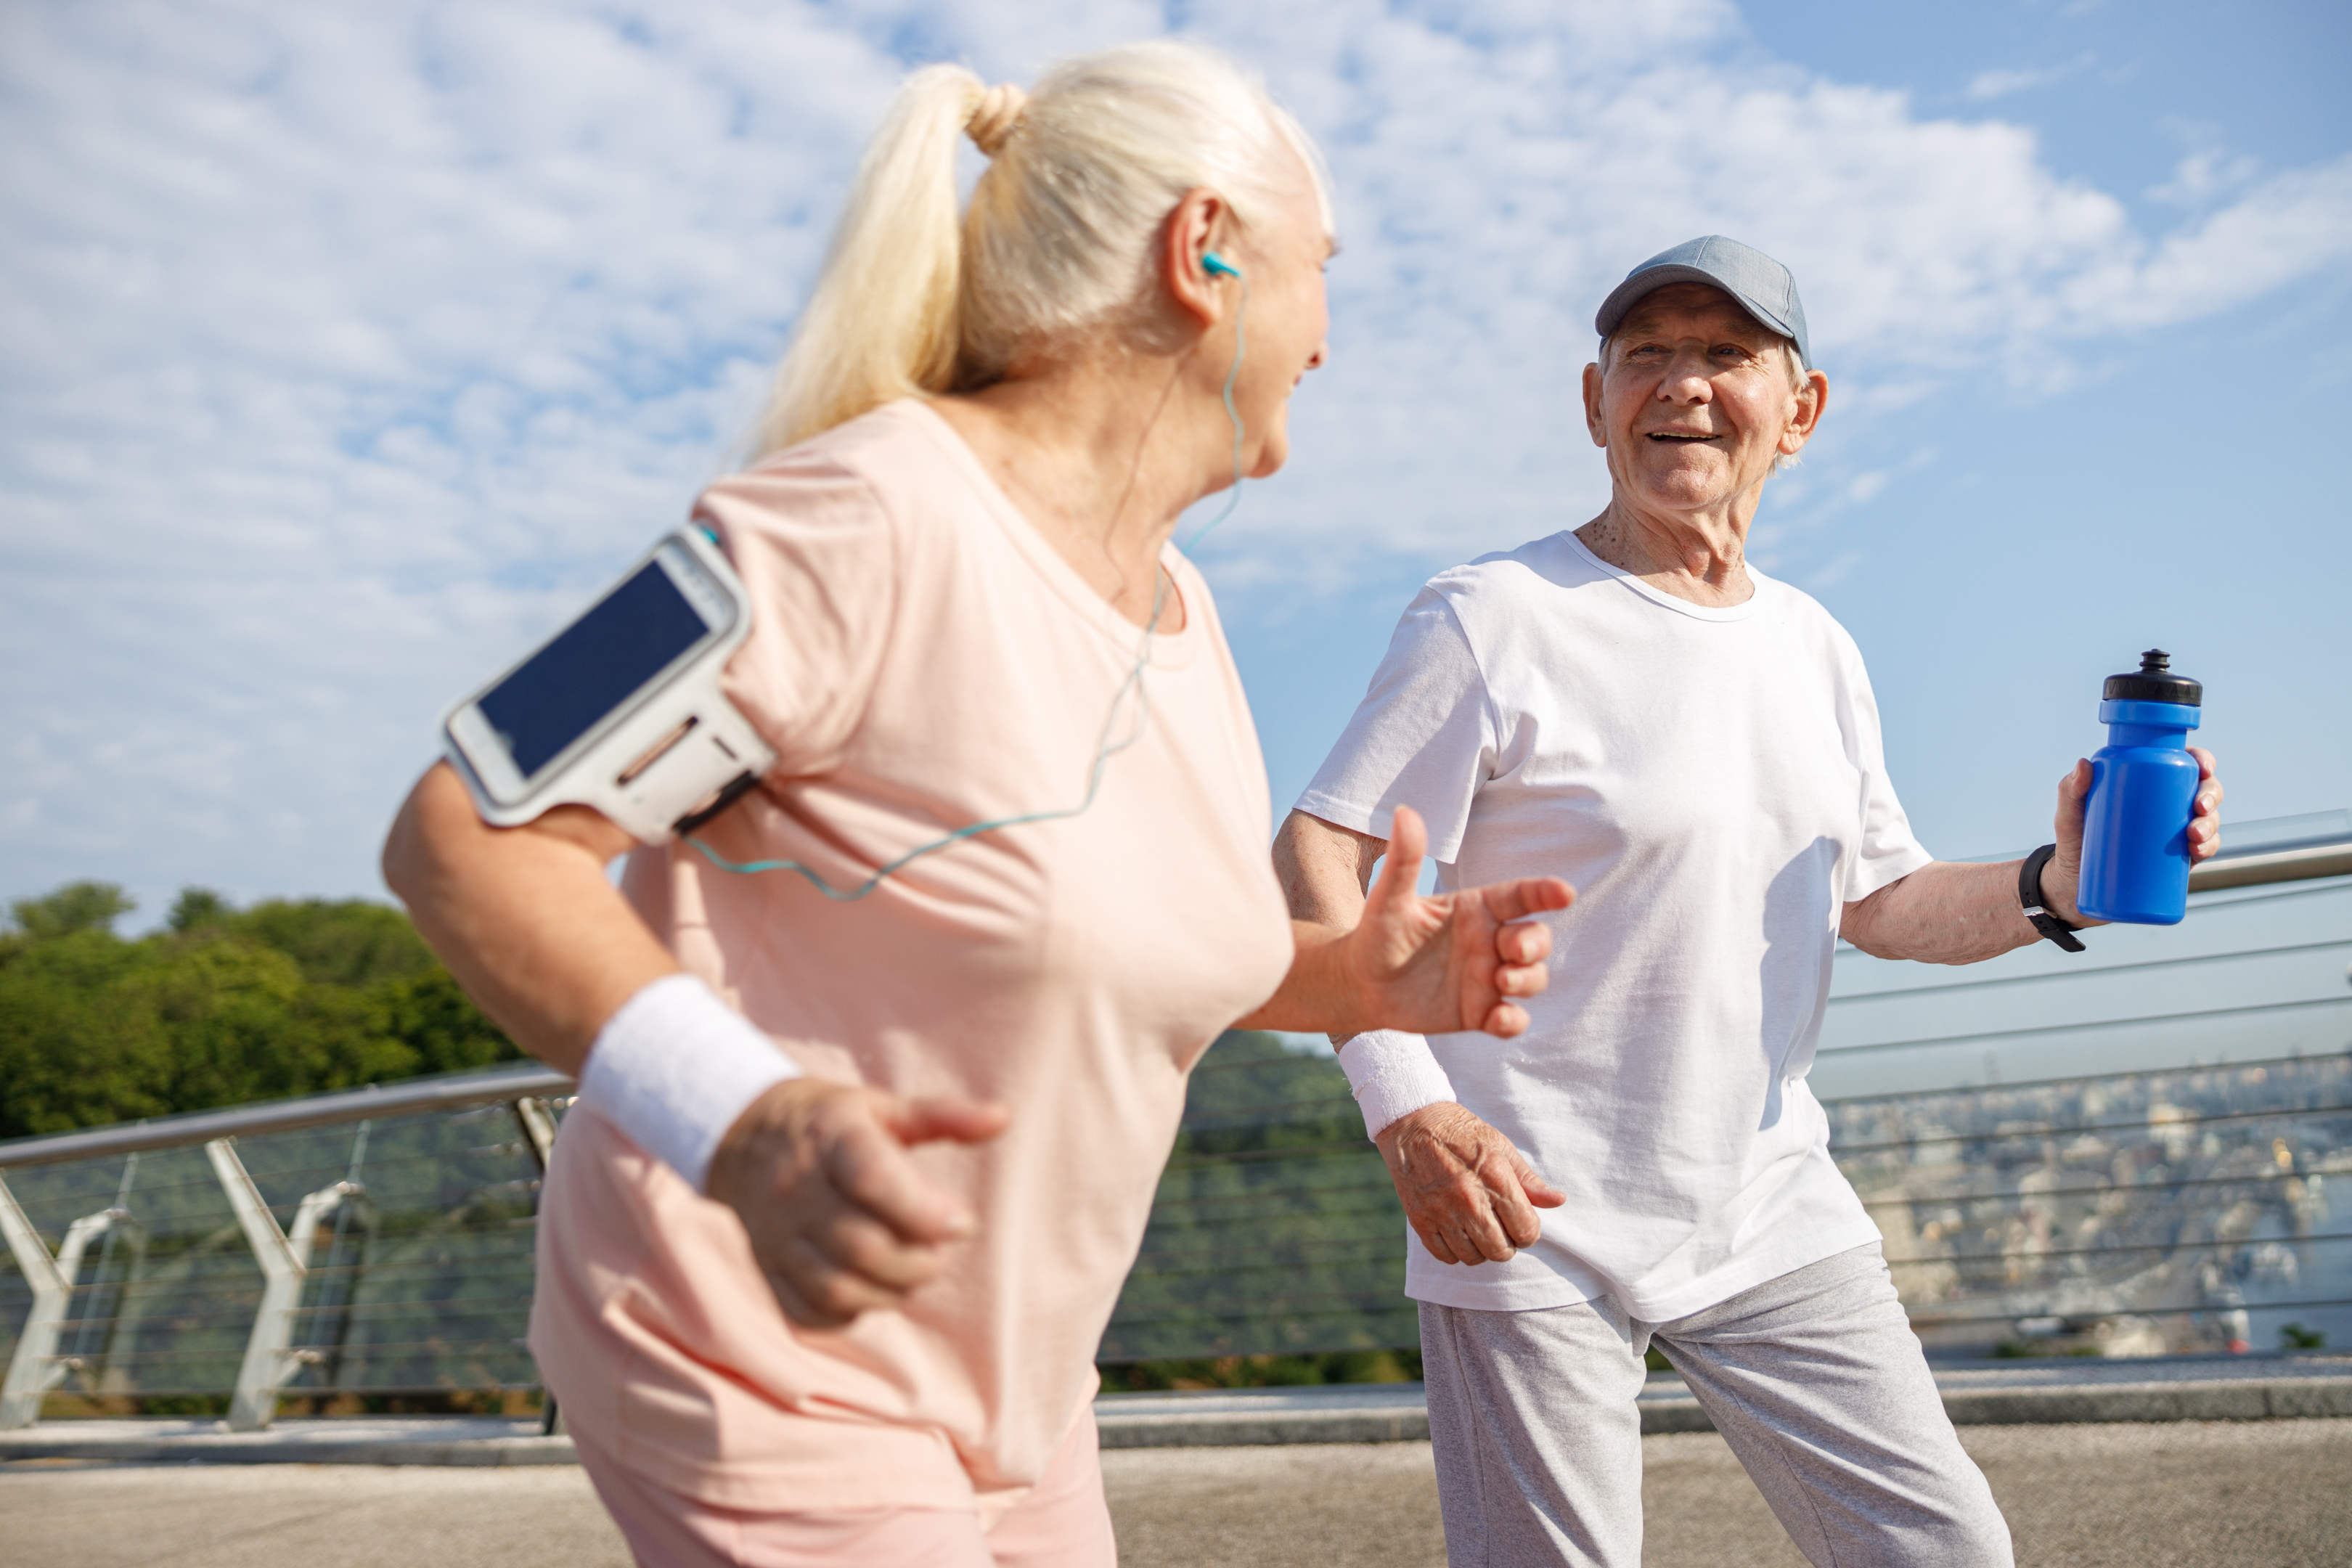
1057 244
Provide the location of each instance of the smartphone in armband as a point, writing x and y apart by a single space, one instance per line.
622 709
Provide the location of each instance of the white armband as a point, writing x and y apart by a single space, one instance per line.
1393 1074
674 1068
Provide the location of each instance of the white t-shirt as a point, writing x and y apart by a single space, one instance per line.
1712 783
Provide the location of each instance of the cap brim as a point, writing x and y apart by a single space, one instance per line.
1631 292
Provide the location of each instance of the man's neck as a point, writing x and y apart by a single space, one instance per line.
1701 561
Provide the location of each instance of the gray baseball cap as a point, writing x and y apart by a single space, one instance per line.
1765 288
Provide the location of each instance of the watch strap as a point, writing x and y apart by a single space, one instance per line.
2029 896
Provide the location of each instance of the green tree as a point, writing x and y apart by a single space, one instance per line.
197 908
345 943
75 1050
76 907
224 1006
430 1017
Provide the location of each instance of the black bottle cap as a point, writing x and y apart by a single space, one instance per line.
2153 681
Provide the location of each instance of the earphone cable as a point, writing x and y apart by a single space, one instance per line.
1106 748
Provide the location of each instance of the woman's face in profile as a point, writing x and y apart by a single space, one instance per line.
1288 320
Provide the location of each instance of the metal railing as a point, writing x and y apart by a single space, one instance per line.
256 1252
300 1287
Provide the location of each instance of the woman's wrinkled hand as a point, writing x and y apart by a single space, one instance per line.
840 1220
1468 1193
1452 961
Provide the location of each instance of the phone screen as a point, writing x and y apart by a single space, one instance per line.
592 667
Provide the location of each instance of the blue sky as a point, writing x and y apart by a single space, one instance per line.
350 349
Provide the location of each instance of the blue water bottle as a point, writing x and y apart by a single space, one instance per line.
2143 790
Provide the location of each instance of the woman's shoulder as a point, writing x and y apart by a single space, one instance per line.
869 449
859 475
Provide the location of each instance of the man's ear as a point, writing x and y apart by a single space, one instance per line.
1811 398
1592 405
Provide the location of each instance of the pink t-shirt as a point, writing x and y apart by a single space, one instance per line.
923 659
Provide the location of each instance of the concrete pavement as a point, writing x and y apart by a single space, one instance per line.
2182 1495
2011 1393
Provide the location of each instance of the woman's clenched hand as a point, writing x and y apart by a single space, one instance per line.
840 1220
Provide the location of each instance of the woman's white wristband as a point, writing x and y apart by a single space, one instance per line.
674 1068
1393 1075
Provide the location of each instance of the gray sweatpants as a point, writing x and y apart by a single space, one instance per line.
1815 1379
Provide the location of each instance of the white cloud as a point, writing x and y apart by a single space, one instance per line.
1986 86
2288 227
2201 176
350 346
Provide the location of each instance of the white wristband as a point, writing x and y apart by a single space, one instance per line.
674 1068
1393 1075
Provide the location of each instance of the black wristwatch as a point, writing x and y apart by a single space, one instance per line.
2029 894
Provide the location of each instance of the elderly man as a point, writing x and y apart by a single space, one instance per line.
1695 746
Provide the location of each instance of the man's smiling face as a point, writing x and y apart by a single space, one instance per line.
1693 402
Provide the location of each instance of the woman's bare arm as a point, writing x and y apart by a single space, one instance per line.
839 1219
1455 961
524 917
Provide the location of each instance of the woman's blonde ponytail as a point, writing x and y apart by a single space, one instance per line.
882 322
1057 246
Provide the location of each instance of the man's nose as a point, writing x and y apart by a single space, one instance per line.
1686 380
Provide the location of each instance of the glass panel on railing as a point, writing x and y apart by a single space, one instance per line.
1276 1229
2251 973
420 1274
2194 1209
163 1298
419 1277
16 1301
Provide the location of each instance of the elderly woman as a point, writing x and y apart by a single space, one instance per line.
1633 707
830 1237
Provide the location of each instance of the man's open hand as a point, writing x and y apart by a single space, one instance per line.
840 1220
1469 1194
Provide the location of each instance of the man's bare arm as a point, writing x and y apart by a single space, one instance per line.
1947 912
1324 869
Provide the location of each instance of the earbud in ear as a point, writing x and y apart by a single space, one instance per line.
1216 265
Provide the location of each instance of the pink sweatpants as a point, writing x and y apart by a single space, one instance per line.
1063 1523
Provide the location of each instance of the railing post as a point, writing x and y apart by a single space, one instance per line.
269 1359
35 1368
20 1396
538 1124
